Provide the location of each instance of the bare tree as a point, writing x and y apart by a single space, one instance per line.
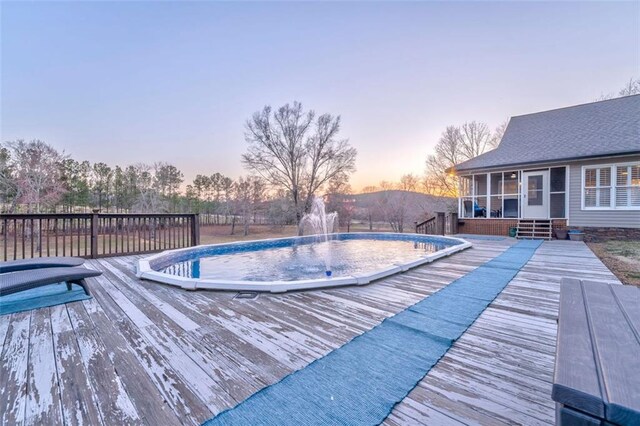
448 152
476 139
247 194
371 206
457 144
339 199
297 151
36 174
409 182
632 87
8 187
147 199
498 133
394 205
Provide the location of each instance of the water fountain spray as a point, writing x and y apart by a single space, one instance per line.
321 223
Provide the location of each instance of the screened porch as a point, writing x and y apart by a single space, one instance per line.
514 194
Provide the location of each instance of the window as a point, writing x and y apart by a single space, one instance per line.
628 186
611 187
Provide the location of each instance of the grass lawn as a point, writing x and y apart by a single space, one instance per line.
622 257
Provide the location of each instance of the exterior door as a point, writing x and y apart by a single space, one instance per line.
535 195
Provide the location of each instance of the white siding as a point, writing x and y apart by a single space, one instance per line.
597 218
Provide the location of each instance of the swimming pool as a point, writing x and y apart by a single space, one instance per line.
295 263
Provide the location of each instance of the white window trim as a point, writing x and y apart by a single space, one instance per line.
614 173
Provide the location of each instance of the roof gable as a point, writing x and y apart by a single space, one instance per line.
604 128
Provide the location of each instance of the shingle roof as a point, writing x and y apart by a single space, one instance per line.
603 128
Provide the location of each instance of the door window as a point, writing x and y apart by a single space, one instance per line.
534 191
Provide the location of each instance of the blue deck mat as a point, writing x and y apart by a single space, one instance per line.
360 382
41 297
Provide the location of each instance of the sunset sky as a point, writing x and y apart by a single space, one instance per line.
148 81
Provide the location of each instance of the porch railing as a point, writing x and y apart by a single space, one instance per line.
451 224
94 235
433 225
440 224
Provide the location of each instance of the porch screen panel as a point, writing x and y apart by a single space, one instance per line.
511 195
495 203
466 195
557 206
480 195
557 192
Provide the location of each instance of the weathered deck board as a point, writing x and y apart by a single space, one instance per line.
146 353
76 396
112 400
13 369
43 396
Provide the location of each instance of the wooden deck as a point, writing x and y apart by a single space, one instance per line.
145 353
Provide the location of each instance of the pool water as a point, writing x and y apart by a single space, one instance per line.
304 260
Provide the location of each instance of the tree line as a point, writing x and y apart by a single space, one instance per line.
292 155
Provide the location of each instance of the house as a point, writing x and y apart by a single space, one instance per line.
576 167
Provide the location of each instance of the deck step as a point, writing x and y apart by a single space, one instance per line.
534 228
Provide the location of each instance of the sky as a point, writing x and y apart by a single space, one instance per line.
128 82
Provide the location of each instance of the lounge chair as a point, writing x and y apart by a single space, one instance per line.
14 282
38 263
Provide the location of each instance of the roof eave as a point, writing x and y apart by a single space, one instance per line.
457 170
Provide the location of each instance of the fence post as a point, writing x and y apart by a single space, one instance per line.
453 217
94 235
439 223
195 229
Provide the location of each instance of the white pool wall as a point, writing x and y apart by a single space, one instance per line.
145 271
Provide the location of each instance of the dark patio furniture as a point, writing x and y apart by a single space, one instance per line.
470 206
597 371
38 263
14 282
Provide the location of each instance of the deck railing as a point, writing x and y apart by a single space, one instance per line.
451 224
94 235
433 226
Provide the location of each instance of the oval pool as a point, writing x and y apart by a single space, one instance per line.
296 263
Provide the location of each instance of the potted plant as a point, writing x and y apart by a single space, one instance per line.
561 233
576 235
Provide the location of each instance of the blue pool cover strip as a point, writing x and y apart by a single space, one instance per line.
360 382
41 297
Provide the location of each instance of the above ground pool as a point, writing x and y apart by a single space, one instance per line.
296 263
